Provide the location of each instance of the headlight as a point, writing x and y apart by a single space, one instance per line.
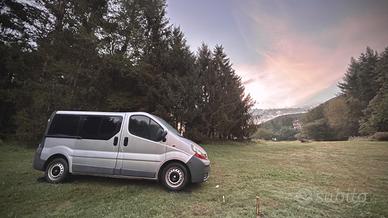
198 153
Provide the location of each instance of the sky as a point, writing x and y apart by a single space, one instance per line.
289 53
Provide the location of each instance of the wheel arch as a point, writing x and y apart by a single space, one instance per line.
52 157
173 161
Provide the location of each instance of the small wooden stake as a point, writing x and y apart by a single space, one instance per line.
257 207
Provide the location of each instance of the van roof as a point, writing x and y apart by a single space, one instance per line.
97 113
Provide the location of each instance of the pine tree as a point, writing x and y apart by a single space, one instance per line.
112 55
376 114
66 65
203 66
226 108
152 65
182 82
22 23
122 49
360 86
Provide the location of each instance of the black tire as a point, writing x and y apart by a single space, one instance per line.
56 170
175 176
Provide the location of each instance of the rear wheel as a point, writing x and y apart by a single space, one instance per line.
56 170
175 176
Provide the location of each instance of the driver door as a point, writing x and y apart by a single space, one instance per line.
140 153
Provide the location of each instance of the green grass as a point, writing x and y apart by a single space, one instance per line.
291 179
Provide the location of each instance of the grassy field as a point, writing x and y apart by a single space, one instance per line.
319 179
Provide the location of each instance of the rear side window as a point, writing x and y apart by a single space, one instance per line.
144 127
100 127
90 127
64 125
87 127
110 126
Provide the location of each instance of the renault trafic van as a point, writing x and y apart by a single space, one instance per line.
128 145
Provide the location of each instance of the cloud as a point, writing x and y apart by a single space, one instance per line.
294 65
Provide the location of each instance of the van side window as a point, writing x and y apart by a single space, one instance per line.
90 127
64 125
100 127
138 126
110 126
154 130
144 127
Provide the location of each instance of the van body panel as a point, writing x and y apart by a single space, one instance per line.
95 153
38 162
140 156
175 143
175 154
124 154
60 146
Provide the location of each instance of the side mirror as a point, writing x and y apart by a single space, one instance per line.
162 136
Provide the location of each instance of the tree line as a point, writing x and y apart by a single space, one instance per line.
361 109
113 55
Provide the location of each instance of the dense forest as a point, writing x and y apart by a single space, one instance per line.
361 109
112 55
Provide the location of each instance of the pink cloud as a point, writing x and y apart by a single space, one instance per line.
295 66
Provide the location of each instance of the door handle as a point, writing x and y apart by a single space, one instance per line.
115 141
125 141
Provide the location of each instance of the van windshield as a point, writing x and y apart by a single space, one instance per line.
168 126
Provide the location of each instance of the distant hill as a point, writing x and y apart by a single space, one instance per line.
328 121
283 127
263 115
288 120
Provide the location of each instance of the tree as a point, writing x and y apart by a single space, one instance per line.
225 107
286 133
182 81
376 114
318 130
123 37
328 121
112 55
336 111
263 133
201 125
360 86
22 23
376 119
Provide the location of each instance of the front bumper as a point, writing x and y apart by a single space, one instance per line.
199 171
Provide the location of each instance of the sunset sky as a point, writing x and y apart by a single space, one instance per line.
290 53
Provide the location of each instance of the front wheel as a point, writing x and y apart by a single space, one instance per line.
56 170
175 176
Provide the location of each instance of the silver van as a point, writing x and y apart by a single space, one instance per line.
128 145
